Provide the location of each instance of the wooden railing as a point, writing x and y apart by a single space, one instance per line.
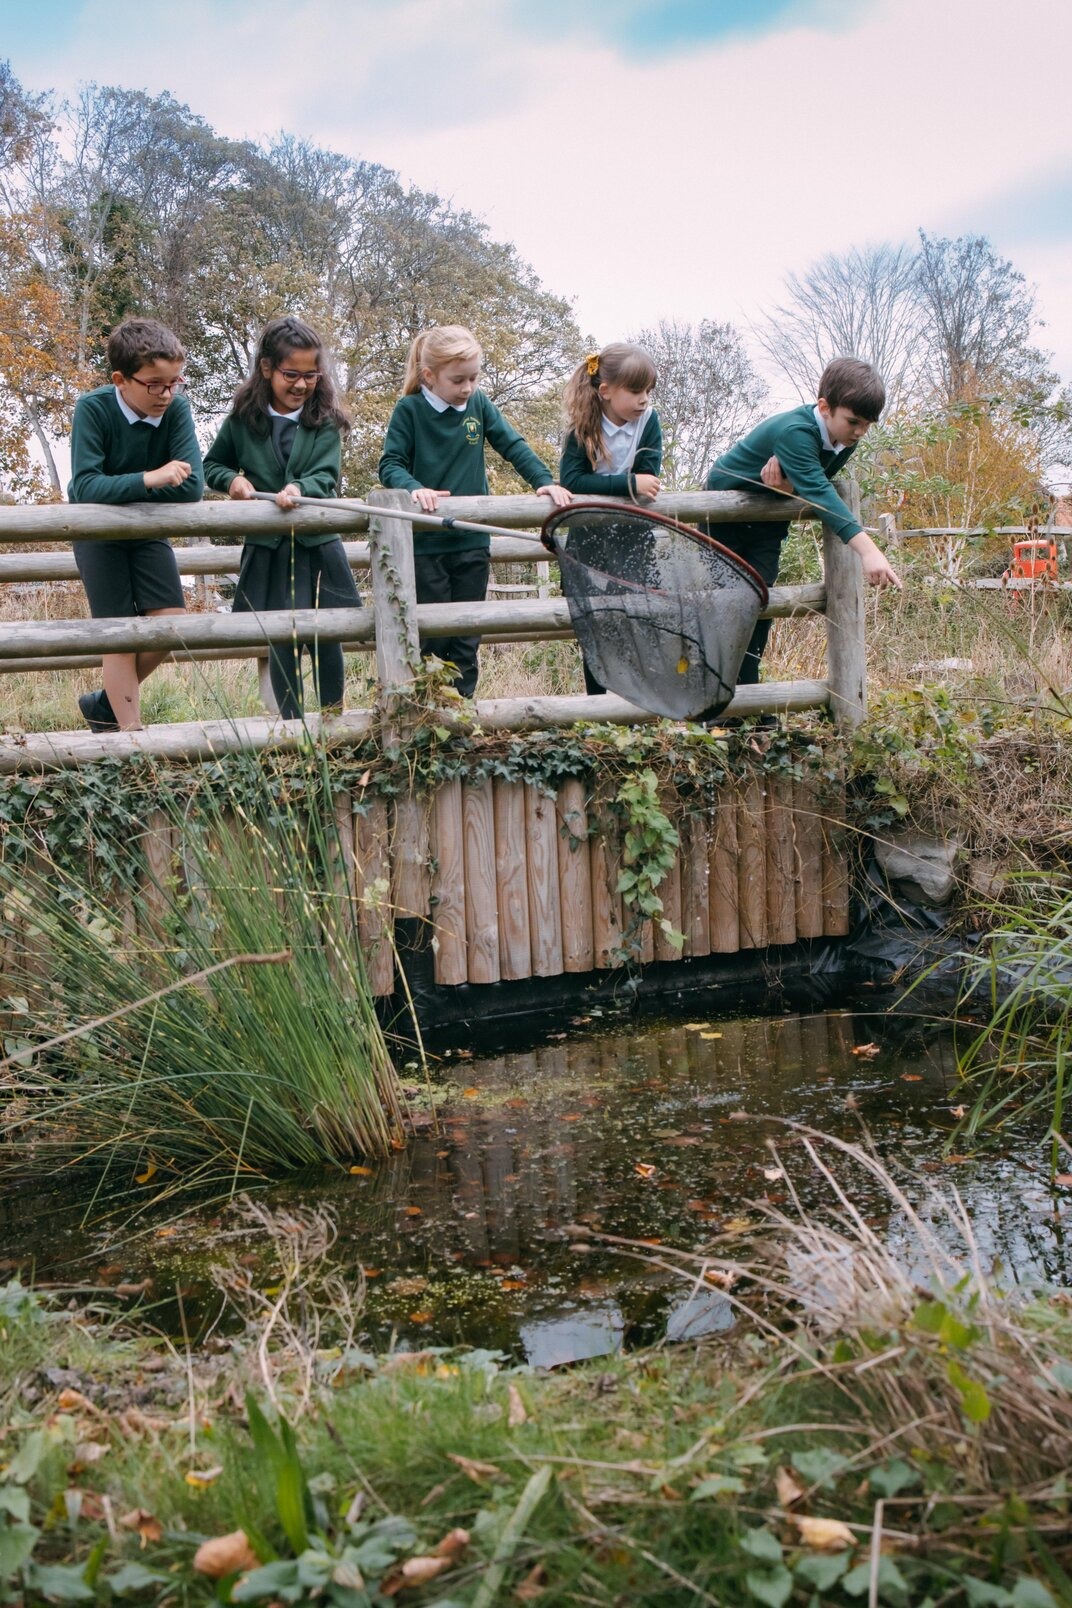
389 627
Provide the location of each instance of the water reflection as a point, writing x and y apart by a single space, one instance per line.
470 1235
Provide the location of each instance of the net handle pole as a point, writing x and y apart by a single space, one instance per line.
417 517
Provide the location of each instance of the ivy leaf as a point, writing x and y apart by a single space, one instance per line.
1031 1593
821 1570
981 1594
893 1477
974 1401
772 1587
890 1578
763 1545
716 1485
820 1466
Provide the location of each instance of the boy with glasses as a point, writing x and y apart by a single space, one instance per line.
133 441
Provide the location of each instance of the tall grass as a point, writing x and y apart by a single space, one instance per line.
257 1068
1022 983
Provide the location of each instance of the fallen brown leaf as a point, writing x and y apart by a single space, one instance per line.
452 1545
1063 1178
517 1412
868 1051
147 1526
133 1289
224 1555
788 1487
72 1401
534 1584
823 1535
417 1571
474 1470
644 1169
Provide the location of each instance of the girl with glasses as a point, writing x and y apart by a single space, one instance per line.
284 434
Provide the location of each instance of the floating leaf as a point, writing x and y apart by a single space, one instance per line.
867 1051
645 1169
362 1172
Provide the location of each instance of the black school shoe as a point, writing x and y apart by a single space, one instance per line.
97 711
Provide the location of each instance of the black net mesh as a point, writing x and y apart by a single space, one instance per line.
663 614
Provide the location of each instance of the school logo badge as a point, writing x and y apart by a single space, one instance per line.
471 427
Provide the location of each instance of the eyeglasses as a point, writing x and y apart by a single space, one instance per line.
292 376
161 387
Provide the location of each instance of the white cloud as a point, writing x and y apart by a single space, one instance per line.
685 186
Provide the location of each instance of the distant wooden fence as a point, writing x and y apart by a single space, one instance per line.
389 627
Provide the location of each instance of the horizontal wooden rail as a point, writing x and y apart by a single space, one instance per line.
201 740
66 522
516 619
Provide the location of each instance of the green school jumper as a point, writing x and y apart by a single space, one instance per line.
109 456
445 451
314 465
577 475
794 439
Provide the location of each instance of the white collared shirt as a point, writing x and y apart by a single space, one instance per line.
824 433
618 448
296 415
135 418
438 403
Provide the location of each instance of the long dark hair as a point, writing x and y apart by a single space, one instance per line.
253 397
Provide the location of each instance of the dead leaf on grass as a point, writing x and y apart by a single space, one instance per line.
788 1487
474 1470
517 1413
225 1555
201 1478
146 1524
534 1584
823 1535
452 1545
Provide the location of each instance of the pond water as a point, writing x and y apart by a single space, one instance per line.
469 1235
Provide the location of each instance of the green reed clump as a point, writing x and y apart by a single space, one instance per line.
258 1067
1019 1061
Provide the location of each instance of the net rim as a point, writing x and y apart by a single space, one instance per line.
701 538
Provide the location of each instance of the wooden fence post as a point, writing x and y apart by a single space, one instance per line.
846 649
394 603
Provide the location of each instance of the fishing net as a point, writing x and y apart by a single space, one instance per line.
662 612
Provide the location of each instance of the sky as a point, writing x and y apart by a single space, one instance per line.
650 158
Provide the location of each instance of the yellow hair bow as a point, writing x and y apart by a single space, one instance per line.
591 363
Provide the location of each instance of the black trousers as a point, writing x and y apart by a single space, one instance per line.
759 544
293 576
454 578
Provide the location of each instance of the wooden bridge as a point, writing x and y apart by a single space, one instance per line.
490 882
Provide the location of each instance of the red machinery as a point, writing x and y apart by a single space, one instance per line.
1034 560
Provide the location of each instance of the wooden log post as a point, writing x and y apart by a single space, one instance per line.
781 882
607 914
373 874
846 648
448 886
752 864
695 885
723 861
511 881
575 878
545 909
481 903
394 605
808 857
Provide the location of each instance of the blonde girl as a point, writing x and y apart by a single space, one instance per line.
434 448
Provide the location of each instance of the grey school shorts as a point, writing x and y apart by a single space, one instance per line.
128 578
